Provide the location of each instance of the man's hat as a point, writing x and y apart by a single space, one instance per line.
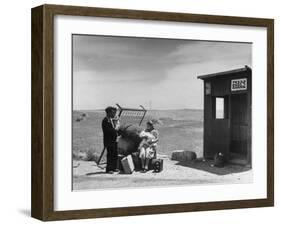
110 109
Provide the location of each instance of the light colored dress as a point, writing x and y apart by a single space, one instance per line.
148 144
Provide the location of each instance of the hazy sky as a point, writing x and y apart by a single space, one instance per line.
134 71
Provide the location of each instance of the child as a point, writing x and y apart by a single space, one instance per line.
147 147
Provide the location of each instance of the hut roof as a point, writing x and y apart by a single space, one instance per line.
230 72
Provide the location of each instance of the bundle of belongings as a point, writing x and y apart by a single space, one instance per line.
131 138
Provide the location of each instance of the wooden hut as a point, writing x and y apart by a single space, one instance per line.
227 114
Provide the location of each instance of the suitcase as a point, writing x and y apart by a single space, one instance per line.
128 165
157 165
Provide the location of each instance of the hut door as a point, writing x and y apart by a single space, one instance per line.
239 128
220 127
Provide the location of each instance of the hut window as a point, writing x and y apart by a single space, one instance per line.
220 105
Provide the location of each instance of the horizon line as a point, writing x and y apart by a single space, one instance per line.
169 109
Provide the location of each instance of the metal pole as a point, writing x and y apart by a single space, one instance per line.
121 109
98 162
143 114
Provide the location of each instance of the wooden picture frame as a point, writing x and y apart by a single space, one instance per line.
42 203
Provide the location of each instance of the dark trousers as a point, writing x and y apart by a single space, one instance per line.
111 157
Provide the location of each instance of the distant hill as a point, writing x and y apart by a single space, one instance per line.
179 114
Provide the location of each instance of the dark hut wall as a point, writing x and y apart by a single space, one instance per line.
233 132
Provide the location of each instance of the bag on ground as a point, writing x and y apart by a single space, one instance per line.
128 165
157 165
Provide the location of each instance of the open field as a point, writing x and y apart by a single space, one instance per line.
180 129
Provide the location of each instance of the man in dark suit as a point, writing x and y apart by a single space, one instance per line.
110 129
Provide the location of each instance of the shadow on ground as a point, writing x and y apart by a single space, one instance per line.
207 166
25 212
95 173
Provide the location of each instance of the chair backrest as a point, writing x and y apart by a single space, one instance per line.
131 115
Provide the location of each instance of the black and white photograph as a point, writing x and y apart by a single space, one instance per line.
150 112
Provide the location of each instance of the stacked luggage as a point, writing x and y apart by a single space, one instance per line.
128 158
130 163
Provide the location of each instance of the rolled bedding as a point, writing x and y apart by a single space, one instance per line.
131 132
130 139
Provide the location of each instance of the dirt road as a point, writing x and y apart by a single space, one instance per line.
87 176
